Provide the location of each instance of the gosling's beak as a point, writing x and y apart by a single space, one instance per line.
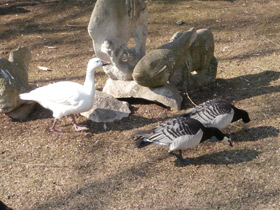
105 63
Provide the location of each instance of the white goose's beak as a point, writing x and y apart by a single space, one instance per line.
105 63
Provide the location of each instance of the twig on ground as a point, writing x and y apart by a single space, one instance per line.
259 67
272 42
186 93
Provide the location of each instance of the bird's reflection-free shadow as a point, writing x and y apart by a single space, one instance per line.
223 158
255 134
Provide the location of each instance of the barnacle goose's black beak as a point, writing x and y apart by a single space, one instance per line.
230 143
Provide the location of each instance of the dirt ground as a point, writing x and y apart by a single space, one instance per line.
104 170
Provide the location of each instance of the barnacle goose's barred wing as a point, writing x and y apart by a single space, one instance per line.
167 132
209 110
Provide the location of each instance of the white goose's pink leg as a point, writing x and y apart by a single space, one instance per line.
53 127
77 128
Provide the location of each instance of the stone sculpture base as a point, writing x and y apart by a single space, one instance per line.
22 112
167 94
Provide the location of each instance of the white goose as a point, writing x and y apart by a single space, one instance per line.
178 133
67 98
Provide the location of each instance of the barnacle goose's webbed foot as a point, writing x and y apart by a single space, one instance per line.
180 157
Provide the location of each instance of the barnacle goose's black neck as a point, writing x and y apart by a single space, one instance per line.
240 114
207 132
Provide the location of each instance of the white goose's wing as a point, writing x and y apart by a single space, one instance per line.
62 93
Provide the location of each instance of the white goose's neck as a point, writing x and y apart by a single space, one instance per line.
89 82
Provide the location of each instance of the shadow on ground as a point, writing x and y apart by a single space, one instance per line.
93 192
223 158
255 134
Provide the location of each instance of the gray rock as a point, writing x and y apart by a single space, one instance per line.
14 78
107 109
167 94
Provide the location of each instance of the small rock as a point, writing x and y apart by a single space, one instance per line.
180 22
167 94
106 108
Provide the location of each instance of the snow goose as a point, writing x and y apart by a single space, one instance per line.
217 113
178 133
67 98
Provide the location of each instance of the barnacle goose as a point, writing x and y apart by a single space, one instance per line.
217 113
178 133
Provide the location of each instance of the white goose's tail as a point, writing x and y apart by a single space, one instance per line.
26 96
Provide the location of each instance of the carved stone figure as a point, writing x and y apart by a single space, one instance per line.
13 78
187 61
112 25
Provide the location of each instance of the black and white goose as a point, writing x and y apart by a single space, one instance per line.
217 113
178 133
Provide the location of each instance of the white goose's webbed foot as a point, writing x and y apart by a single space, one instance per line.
53 129
80 128
77 128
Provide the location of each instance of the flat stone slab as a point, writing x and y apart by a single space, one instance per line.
167 94
106 108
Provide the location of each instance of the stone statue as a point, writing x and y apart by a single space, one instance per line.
187 62
13 81
112 25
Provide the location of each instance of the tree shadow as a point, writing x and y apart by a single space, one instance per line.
99 193
250 85
12 10
237 88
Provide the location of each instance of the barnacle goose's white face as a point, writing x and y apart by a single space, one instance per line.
227 141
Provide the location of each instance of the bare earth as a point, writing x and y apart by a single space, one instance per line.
102 169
